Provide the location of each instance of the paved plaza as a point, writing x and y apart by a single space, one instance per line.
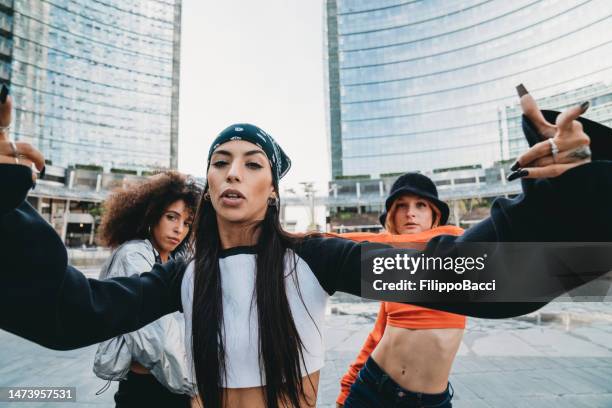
565 360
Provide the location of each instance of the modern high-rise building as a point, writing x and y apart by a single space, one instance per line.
430 85
95 82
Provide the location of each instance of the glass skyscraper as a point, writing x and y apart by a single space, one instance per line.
430 85
95 82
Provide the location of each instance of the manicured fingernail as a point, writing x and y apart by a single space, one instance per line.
515 166
42 172
521 90
4 93
585 105
518 174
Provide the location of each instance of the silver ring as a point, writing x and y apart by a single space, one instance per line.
554 149
581 153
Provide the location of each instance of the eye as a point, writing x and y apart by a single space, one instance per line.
171 217
421 204
188 225
401 206
254 165
220 163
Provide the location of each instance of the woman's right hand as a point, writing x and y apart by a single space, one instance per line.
21 153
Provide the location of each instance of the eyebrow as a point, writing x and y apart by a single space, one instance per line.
189 218
249 153
252 152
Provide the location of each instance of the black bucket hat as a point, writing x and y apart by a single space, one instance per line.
601 136
419 185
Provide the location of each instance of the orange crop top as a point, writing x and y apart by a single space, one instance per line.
399 314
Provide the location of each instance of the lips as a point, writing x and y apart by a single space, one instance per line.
231 193
232 198
175 241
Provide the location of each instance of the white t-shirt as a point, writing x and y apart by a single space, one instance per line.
238 270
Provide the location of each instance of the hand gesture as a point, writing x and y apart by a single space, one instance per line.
564 144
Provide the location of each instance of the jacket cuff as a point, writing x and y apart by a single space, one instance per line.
574 207
16 182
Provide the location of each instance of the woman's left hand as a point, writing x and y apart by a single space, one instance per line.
564 145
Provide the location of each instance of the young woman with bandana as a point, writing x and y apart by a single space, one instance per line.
254 296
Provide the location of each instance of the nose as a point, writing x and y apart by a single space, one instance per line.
233 174
180 228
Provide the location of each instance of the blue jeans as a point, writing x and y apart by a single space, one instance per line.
375 389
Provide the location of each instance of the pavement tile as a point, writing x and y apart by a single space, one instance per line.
574 383
500 364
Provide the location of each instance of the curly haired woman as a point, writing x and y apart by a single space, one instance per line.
145 224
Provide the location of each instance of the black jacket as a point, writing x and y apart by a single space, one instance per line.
45 300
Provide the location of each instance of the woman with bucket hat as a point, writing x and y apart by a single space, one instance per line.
254 296
408 355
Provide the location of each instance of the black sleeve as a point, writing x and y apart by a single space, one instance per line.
575 207
45 300
16 182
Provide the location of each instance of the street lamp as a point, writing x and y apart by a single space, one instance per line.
308 201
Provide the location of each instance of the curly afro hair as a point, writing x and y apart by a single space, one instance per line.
130 211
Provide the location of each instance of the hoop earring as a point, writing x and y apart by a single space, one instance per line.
273 202
207 196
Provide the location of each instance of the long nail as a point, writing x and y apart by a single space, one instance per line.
4 94
521 90
515 166
517 174
585 105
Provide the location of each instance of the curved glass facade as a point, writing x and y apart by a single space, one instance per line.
424 85
96 81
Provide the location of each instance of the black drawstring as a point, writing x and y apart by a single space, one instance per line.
108 384
103 389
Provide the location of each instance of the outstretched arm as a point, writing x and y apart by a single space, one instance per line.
45 300
574 207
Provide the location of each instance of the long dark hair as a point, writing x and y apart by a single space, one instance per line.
280 345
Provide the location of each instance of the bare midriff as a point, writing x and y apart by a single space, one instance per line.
418 360
254 397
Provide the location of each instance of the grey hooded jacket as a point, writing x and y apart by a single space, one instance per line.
159 346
